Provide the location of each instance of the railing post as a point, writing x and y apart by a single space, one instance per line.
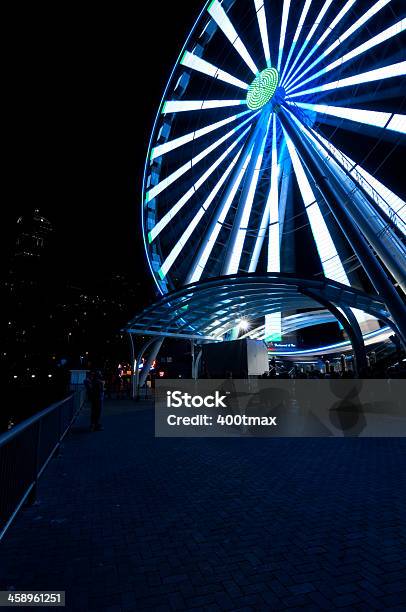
32 495
58 448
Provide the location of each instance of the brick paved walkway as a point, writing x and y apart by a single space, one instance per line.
130 522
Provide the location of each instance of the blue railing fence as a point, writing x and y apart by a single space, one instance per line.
25 451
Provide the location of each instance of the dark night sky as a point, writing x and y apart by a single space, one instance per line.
83 88
85 84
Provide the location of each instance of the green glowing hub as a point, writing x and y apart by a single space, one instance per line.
262 88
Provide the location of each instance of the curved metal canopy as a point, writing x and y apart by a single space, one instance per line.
207 310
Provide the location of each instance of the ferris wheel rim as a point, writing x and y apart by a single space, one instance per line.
172 76
157 116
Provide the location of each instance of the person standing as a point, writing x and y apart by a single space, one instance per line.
87 383
96 400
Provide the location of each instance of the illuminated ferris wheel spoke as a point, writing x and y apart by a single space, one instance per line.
397 28
329 258
309 36
183 240
303 16
219 15
259 240
322 38
270 205
182 140
240 226
387 72
225 202
273 263
211 239
162 185
181 106
393 206
358 24
397 123
389 121
163 222
200 65
284 190
284 23
263 29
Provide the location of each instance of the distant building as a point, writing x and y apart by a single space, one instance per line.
33 235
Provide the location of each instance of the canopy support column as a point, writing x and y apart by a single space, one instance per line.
351 326
155 344
138 380
195 359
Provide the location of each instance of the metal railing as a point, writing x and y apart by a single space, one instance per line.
25 451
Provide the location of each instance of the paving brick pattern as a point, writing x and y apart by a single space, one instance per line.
130 522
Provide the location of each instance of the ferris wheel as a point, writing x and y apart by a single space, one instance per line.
275 146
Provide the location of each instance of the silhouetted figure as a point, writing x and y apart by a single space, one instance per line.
88 385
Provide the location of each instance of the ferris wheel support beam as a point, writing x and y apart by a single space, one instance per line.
340 205
391 205
377 230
